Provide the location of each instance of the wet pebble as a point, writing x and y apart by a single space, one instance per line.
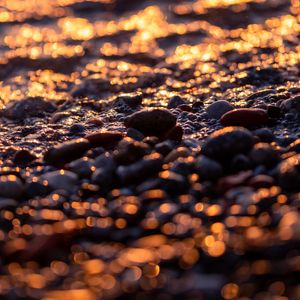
105 139
246 117
225 143
23 157
11 187
67 151
26 108
289 173
152 121
264 154
61 180
217 109
175 101
141 169
208 169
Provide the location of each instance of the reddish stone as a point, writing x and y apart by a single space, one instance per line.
104 139
175 134
246 117
185 107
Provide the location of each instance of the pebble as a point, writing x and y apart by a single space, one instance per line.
23 157
208 169
175 101
131 100
245 117
265 135
61 180
135 134
141 169
104 139
129 151
295 146
217 109
292 104
289 173
82 167
11 187
225 143
152 121
27 108
67 151
176 153
175 134
264 154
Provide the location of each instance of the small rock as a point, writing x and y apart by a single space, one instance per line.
23 157
217 109
104 139
261 181
137 172
295 146
264 154
225 143
131 100
289 173
292 104
82 167
265 135
11 187
175 101
175 134
155 121
135 134
66 152
246 117
27 108
129 151
207 169
61 180
176 153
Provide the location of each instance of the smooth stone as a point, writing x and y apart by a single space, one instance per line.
217 109
246 117
67 151
135 134
129 151
264 154
8 202
176 153
265 135
23 157
289 173
131 100
292 104
82 167
207 169
104 139
152 121
61 180
295 146
225 143
11 187
137 172
27 108
175 101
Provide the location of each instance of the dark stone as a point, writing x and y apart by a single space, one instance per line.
27 108
225 143
154 121
67 152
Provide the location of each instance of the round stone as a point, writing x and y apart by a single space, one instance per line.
225 143
217 109
11 186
